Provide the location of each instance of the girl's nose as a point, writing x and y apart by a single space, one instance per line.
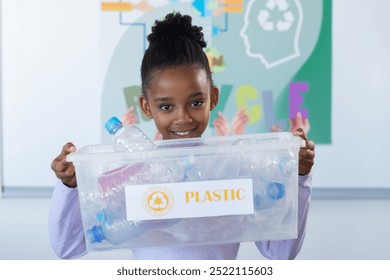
183 116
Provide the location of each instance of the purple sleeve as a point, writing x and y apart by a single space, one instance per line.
65 225
289 249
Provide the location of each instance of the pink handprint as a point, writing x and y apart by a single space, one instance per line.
295 123
221 125
129 118
237 127
240 121
300 122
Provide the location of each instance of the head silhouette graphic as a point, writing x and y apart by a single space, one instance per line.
271 30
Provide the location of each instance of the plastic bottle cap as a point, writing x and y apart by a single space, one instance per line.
275 190
95 234
112 125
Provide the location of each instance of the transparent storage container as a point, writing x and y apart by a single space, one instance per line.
190 191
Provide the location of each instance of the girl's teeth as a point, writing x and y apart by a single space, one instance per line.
183 133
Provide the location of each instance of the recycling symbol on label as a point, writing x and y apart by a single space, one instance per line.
280 25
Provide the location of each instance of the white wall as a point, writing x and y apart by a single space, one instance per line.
50 64
360 98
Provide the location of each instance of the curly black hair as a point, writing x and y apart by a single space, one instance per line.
174 41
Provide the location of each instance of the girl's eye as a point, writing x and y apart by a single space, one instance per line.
197 103
165 107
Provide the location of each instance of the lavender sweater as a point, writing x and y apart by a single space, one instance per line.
68 241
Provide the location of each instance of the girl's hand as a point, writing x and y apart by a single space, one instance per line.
65 170
306 154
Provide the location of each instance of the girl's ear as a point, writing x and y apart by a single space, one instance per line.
214 97
143 102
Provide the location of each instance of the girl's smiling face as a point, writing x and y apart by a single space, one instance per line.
179 100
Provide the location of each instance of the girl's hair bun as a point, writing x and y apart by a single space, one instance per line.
176 25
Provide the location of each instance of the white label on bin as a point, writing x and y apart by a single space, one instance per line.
189 199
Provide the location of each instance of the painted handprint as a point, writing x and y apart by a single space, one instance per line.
237 127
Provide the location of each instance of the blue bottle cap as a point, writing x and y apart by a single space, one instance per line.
275 190
95 234
112 125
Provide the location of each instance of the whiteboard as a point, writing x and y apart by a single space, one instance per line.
51 90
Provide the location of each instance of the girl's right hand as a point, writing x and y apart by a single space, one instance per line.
65 170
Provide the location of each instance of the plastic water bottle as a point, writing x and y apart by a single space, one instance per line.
127 137
115 229
272 165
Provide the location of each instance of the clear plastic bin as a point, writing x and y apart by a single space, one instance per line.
190 191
